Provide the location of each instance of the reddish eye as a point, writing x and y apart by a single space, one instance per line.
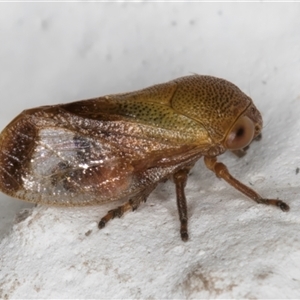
241 134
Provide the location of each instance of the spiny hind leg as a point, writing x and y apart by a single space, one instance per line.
180 179
132 204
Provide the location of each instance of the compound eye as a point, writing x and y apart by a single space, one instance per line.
241 134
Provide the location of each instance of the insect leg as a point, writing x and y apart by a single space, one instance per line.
132 205
222 172
180 179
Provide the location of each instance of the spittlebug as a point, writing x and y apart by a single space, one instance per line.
121 146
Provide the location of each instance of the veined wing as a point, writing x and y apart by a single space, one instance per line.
70 160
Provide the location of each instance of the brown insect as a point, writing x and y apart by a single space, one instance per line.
121 146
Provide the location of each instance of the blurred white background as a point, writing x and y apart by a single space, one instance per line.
59 52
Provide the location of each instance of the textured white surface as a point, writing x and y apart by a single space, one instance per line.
52 53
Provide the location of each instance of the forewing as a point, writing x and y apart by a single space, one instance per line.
55 157
67 167
78 153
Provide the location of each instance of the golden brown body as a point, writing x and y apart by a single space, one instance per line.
121 146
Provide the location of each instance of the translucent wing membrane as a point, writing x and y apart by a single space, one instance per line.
79 161
68 165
